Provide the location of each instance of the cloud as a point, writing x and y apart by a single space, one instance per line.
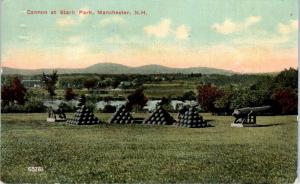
83 16
164 29
182 32
23 25
67 21
24 38
289 28
228 26
160 30
115 20
72 20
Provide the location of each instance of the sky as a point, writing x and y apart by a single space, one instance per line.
247 36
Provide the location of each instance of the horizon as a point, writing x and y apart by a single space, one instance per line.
234 72
248 41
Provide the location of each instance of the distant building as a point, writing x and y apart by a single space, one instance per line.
32 83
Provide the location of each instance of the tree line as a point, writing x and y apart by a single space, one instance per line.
221 97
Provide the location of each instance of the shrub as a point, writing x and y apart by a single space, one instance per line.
109 109
90 105
69 94
285 101
34 105
13 108
67 107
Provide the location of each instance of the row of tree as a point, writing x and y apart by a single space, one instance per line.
280 92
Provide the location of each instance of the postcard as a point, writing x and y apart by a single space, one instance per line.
153 91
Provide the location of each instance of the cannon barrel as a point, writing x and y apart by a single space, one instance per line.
247 110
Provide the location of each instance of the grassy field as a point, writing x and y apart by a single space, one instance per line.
153 90
141 153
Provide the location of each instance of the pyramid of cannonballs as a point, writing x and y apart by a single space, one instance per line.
190 118
83 115
160 117
121 116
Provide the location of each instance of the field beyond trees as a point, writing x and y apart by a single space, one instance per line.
141 153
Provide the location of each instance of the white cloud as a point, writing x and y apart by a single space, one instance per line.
22 37
289 28
182 32
23 25
164 29
83 16
115 20
228 26
160 30
67 21
72 20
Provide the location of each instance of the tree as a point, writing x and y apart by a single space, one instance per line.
207 94
19 91
13 92
189 95
285 101
69 94
49 82
223 102
287 78
7 96
137 98
90 83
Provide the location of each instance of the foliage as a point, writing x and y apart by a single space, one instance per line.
105 83
189 95
69 94
90 105
207 94
287 78
90 83
67 107
137 98
6 95
109 109
34 105
49 82
19 91
286 101
14 92
223 102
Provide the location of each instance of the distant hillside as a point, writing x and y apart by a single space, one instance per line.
111 68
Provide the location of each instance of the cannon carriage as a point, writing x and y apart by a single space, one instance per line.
56 113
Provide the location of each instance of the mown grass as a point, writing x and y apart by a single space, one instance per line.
141 153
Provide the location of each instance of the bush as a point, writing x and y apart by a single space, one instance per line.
285 101
13 108
34 105
189 95
67 107
90 105
31 106
109 109
69 94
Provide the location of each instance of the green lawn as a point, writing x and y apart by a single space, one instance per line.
143 153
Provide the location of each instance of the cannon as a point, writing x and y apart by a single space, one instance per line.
56 113
247 115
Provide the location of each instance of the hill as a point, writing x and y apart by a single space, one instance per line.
112 68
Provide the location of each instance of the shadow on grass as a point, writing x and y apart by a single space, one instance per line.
269 125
